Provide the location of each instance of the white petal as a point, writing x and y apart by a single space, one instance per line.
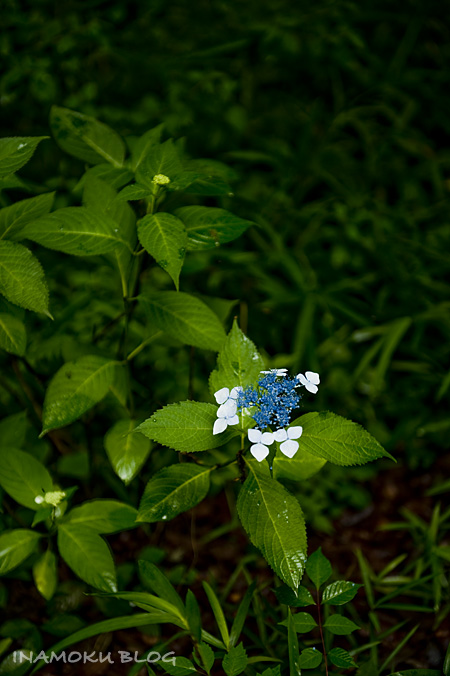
222 395
313 378
267 438
234 420
259 451
235 392
219 426
302 378
280 435
294 432
227 409
281 372
289 448
254 436
311 387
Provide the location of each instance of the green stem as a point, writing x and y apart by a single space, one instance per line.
140 347
319 615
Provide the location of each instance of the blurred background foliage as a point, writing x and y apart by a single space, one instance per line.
335 119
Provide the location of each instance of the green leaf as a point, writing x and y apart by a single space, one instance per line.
86 138
340 441
14 218
207 227
23 477
160 159
293 651
164 237
185 318
206 655
142 146
45 574
310 658
22 278
241 615
238 363
16 151
155 580
13 337
341 658
173 490
209 186
193 616
76 230
113 176
340 625
76 388
218 614
318 568
127 449
135 191
235 661
15 547
88 555
103 516
300 467
303 622
338 593
274 521
298 599
13 430
186 426
182 667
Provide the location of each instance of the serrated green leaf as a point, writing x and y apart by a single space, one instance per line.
310 658
340 625
173 490
302 466
235 661
127 449
207 227
271 671
16 151
274 521
238 362
75 388
340 441
164 237
318 568
113 176
298 599
206 655
86 138
76 230
13 337
293 651
15 547
155 580
141 147
14 218
209 186
186 426
22 278
135 191
338 593
185 318
88 555
341 658
45 574
103 516
182 667
303 622
160 159
23 477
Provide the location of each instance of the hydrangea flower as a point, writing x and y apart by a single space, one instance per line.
288 446
274 398
224 395
278 372
226 415
260 441
310 380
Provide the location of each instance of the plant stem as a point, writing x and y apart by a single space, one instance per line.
319 615
140 347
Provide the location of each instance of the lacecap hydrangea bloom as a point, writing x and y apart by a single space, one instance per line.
270 404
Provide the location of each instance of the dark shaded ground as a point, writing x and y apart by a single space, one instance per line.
216 561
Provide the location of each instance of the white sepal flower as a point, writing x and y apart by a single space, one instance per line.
226 415
224 395
278 372
286 438
260 441
39 499
310 380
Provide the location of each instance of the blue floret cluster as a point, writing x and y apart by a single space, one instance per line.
273 397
